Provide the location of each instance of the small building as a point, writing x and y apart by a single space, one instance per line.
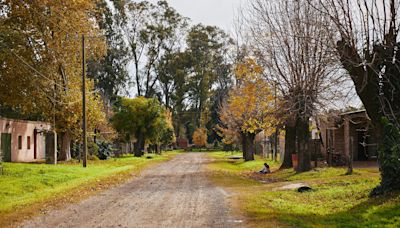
348 133
182 143
23 141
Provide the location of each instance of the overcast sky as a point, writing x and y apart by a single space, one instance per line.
209 12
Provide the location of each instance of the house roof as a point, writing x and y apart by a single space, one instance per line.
353 112
25 121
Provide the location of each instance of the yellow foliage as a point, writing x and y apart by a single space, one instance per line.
248 70
251 106
200 137
53 89
170 123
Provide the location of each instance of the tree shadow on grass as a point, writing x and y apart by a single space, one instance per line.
375 212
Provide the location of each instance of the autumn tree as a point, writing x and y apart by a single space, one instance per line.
291 41
200 137
367 43
249 109
39 47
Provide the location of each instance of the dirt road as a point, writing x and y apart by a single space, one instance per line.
173 194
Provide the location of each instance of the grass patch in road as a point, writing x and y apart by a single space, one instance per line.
29 187
337 200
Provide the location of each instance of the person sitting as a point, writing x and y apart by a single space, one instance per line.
266 169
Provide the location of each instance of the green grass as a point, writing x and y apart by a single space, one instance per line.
26 184
223 163
337 200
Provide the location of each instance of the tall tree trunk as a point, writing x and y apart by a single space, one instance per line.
158 149
389 159
139 145
178 125
369 88
65 149
290 146
303 135
248 146
167 99
142 146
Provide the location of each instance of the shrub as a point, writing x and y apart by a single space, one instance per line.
105 150
76 149
93 148
200 137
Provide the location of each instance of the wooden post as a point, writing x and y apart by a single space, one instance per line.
351 155
315 154
346 136
329 146
84 103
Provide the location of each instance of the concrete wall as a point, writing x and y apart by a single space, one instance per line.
25 129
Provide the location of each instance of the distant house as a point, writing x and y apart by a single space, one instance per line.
346 133
23 141
182 143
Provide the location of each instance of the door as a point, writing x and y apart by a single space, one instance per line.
6 147
35 144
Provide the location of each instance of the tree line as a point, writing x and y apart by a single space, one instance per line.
288 61
135 49
310 51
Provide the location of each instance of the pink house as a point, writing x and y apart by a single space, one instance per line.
23 141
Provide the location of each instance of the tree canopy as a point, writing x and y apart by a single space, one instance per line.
249 109
143 119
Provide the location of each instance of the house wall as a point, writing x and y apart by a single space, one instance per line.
356 120
25 129
338 141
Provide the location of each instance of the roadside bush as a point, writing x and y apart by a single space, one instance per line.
93 148
105 150
76 150
217 145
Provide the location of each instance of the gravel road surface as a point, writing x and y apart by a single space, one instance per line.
173 194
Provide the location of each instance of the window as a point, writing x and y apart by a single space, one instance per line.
19 142
28 142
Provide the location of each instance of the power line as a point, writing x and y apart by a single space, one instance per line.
42 75
38 72
59 16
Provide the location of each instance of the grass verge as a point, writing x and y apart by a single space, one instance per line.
337 200
29 189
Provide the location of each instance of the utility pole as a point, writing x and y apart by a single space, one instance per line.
54 154
276 130
84 103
